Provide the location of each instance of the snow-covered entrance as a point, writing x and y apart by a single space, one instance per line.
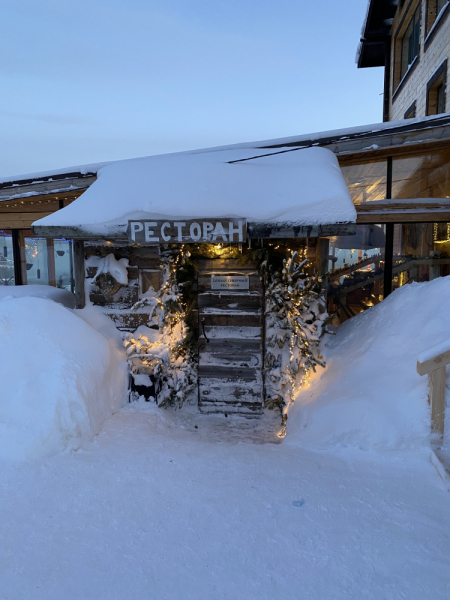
143 224
298 188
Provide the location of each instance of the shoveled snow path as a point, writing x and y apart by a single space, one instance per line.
147 511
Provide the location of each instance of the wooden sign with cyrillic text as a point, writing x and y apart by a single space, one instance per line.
213 231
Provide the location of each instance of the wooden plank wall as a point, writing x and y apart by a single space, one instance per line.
118 306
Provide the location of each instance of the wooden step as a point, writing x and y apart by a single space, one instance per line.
226 373
241 410
230 301
228 319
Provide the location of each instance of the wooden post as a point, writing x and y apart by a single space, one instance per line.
23 256
18 279
434 364
78 255
51 262
322 257
437 400
322 253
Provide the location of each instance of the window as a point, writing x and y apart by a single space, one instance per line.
366 181
411 112
356 271
410 43
436 91
421 252
46 261
434 10
424 175
7 273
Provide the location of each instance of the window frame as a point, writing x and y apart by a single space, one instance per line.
410 112
439 78
430 32
398 80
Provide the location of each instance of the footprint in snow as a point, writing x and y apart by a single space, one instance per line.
298 503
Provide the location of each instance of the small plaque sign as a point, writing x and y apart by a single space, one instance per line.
175 231
229 282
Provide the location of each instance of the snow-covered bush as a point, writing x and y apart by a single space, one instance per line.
60 377
167 352
295 317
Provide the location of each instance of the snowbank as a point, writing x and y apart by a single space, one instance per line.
60 378
62 296
370 395
302 187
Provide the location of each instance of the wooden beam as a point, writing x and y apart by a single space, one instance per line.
51 262
79 273
322 253
279 230
423 204
437 401
22 220
417 216
428 366
23 257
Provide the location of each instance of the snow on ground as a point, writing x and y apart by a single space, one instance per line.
62 296
370 395
52 365
157 509
171 505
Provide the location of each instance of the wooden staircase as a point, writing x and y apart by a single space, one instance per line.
230 341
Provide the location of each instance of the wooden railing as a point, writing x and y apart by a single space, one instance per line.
433 362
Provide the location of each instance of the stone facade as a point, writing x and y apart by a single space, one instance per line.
413 87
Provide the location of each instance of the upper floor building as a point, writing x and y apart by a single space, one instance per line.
411 40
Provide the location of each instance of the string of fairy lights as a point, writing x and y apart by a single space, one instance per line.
436 233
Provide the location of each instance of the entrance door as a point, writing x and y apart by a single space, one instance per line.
230 337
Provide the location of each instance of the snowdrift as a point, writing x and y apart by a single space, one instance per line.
370 395
60 378
62 296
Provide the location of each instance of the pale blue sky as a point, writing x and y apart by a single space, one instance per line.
94 80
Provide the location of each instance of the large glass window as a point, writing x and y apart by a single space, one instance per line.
422 176
34 259
366 181
6 258
63 253
421 252
410 43
46 261
356 267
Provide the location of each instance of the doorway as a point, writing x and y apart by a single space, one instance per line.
230 303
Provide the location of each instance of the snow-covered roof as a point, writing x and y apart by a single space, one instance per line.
298 187
321 138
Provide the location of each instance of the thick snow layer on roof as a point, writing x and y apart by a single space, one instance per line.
303 187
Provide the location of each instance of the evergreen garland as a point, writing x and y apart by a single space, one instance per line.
172 358
295 317
295 320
